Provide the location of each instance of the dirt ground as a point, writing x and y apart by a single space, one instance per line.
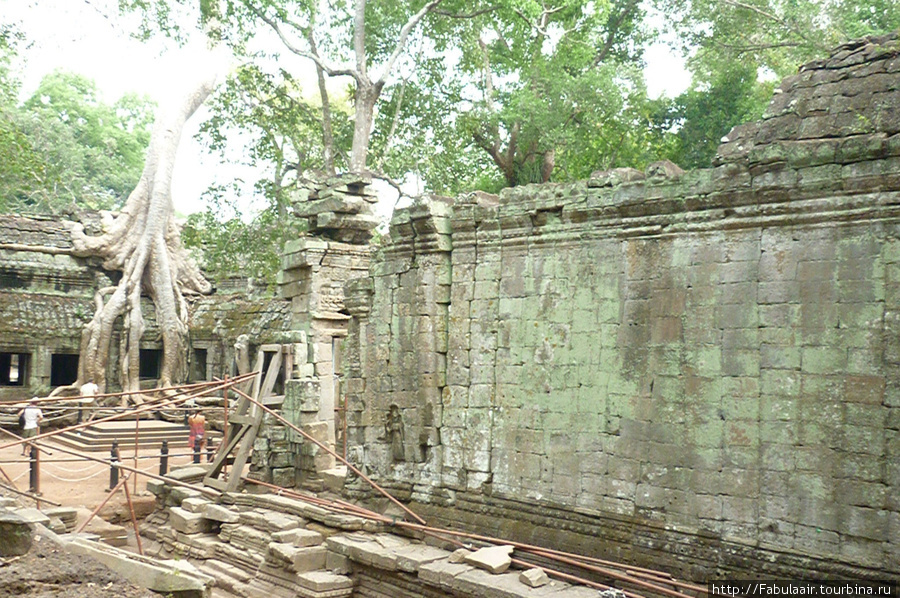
73 482
48 571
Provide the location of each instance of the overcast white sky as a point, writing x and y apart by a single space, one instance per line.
73 35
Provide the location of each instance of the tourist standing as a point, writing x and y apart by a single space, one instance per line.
31 417
197 433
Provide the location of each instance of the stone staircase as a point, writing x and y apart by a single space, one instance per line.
151 433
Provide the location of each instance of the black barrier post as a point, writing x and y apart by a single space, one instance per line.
34 477
113 465
209 452
197 443
164 458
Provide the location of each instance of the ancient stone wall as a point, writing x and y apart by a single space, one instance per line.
697 371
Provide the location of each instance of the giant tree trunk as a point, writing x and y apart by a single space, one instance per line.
144 243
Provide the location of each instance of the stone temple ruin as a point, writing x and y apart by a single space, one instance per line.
697 372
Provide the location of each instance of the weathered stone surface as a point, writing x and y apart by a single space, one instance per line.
494 559
322 581
299 537
165 577
187 522
16 533
534 578
643 359
221 514
412 557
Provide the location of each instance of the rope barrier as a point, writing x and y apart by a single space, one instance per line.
65 469
76 480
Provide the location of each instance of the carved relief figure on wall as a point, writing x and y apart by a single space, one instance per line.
393 427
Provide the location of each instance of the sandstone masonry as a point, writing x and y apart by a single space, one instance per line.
697 371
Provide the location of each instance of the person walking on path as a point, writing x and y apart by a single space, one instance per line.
197 433
31 417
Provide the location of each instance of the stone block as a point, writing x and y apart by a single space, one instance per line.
195 505
442 573
412 557
299 537
187 522
16 533
309 558
494 559
323 581
534 578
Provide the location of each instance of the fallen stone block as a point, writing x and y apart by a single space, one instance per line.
534 578
176 578
187 522
299 537
221 514
495 559
17 534
323 581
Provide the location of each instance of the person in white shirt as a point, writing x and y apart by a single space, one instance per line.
32 417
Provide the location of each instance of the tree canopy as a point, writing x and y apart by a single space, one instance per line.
64 146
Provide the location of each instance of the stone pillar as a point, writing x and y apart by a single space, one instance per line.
314 270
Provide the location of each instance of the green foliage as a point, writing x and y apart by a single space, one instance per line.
68 148
281 129
701 117
231 247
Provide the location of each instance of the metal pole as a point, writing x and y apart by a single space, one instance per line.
137 427
113 465
137 534
224 442
164 458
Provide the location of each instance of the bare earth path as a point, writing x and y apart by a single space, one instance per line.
49 571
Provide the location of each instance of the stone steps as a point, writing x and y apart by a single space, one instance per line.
100 436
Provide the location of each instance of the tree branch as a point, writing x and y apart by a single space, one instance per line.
612 28
772 17
332 72
469 15
404 36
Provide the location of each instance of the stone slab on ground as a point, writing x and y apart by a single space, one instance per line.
494 559
299 537
442 573
32 515
178 578
411 557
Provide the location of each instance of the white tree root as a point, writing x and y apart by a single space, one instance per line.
144 243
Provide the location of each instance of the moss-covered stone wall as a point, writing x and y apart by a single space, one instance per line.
692 365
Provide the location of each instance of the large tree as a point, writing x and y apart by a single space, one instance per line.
143 242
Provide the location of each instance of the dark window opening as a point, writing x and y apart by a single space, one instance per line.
63 369
14 369
151 360
278 388
198 365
